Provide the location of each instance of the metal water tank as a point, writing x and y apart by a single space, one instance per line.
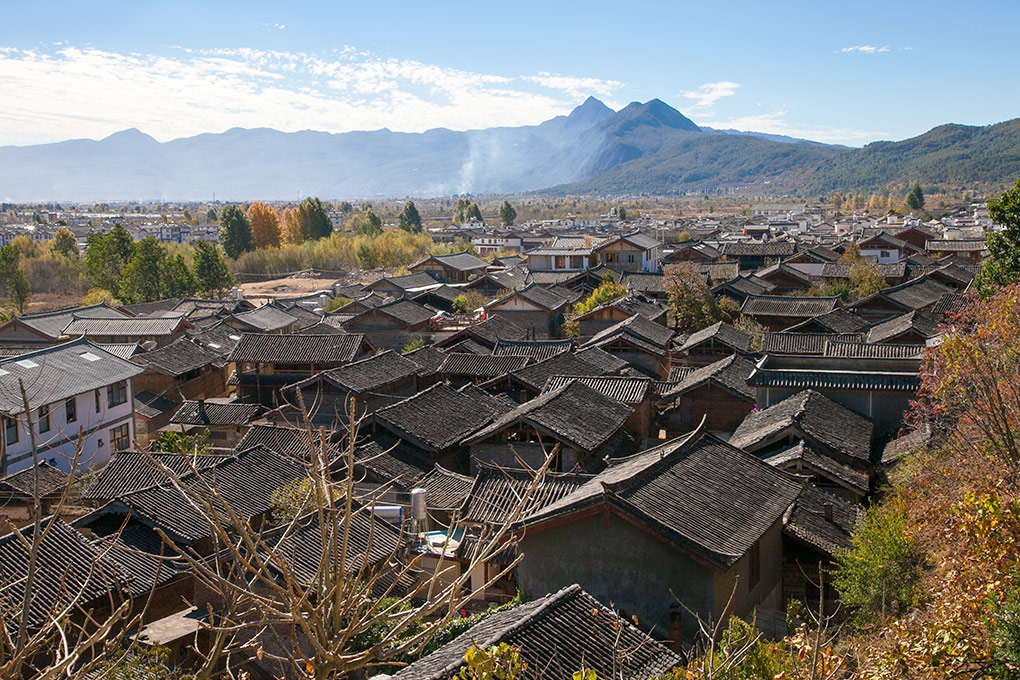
418 509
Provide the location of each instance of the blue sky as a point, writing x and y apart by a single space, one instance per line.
836 72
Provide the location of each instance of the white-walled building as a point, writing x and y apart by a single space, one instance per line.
76 392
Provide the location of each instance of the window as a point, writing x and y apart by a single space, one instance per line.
755 557
71 410
44 418
97 401
119 438
630 257
116 394
10 430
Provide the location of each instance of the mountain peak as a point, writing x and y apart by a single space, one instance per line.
655 113
131 135
591 111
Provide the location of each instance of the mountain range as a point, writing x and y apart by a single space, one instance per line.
648 148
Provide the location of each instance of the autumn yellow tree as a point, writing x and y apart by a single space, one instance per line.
265 225
292 231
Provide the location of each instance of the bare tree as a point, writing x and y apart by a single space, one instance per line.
333 590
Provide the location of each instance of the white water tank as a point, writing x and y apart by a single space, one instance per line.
418 509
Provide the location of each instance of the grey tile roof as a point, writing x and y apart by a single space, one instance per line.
370 373
779 305
288 441
784 342
177 358
697 491
319 349
491 330
730 373
537 374
802 455
498 492
623 388
821 379
601 360
22 484
556 634
142 326
445 490
575 414
958 246
644 282
917 322
536 294
652 336
219 338
826 426
124 350
245 482
129 471
863 350
841 270
68 568
809 525
52 324
720 332
758 248
481 366
266 318
55 373
468 346
212 413
464 261
415 281
149 404
429 359
393 467
538 350
405 311
417 419
915 294
837 321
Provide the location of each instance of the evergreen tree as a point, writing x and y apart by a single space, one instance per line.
140 279
175 279
621 212
409 219
473 212
235 231
460 214
105 258
212 276
507 213
121 242
366 224
315 222
915 199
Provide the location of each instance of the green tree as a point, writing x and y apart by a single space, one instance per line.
210 215
1002 268
865 279
235 231
607 291
175 279
409 219
878 574
507 213
915 199
121 242
621 212
473 212
367 223
140 280
460 214
103 263
66 244
315 222
212 276
18 289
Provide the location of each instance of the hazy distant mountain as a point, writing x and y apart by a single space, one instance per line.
643 148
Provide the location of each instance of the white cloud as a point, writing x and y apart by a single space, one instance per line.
775 123
866 49
75 92
709 93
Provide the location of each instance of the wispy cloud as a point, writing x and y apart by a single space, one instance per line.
865 49
83 92
709 93
776 123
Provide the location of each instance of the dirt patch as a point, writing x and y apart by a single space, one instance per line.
301 285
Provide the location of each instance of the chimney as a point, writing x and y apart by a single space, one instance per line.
828 512
201 408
